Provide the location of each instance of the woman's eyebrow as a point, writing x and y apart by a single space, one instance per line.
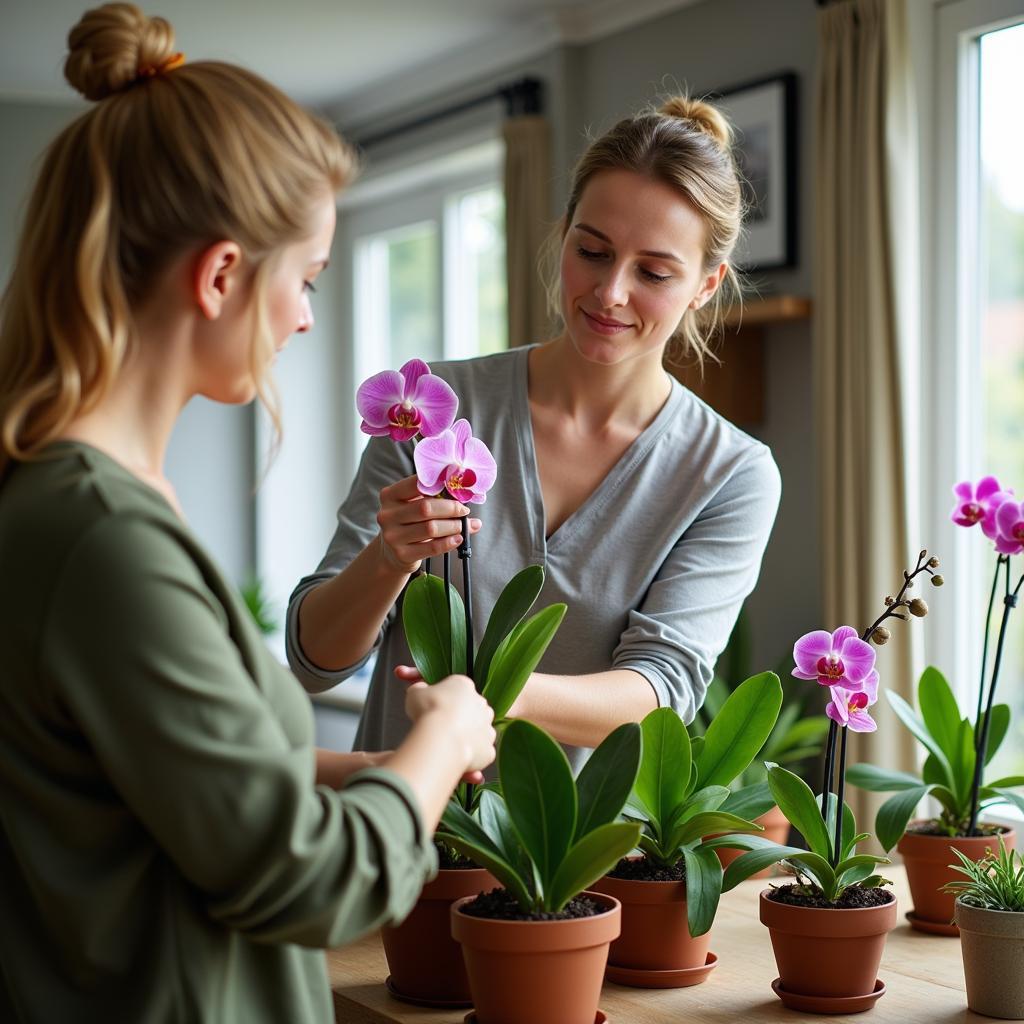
643 252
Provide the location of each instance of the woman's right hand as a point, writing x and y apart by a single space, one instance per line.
467 717
414 526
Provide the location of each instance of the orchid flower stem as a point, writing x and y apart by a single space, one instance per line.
447 561
984 650
1009 602
426 566
840 787
465 554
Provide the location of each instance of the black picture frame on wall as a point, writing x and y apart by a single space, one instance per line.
764 114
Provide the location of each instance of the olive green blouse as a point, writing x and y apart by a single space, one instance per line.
165 854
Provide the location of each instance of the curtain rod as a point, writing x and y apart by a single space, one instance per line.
523 96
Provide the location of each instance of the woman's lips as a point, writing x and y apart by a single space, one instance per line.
602 326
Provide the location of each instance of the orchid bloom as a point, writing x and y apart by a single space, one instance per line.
1010 524
979 504
403 403
455 461
849 707
840 658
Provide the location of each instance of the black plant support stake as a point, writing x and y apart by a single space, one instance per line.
984 650
840 796
465 554
426 566
830 756
447 562
1009 602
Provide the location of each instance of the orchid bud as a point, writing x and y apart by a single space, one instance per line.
937 580
924 551
881 635
888 600
933 563
918 607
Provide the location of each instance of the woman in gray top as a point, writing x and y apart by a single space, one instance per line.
648 510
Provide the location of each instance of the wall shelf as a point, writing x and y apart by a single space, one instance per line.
735 386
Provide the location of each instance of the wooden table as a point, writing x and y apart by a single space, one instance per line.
923 975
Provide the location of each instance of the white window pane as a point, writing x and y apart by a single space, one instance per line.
414 308
1001 326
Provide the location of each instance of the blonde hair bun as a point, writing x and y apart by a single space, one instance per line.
109 46
707 118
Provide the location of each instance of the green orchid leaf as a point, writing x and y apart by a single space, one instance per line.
779 738
740 729
805 733
794 754
1005 796
1006 782
939 711
696 746
653 849
514 662
997 731
428 628
665 769
756 859
853 875
710 798
703 888
849 823
750 802
933 773
509 610
606 780
497 824
633 810
910 718
818 868
800 807
950 804
540 795
501 869
592 856
709 823
893 815
962 761
880 780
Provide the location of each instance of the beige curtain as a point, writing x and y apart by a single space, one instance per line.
527 220
865 160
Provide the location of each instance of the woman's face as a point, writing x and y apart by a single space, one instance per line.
227 373
632 265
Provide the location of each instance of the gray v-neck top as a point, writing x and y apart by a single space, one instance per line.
653 566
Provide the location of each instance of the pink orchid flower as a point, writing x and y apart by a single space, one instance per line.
979 504
840 658
403 403
455 461
849 707
1010 524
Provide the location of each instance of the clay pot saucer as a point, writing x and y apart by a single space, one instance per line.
682 978
828 1004
922 924
601 1018
438 1004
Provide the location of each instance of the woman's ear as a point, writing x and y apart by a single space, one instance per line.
709 286
216 273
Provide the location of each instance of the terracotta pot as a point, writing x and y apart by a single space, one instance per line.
927 859
831 954
655 935
776 828
424 960
992 945
544 972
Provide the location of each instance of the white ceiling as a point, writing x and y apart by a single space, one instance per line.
323 51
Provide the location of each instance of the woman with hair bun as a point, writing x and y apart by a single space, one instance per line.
648 510
172 846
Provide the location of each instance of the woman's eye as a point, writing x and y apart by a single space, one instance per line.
589 254
652 276
307 286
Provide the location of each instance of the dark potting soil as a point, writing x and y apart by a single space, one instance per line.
930 828
498 905
855 898
640 869
450 859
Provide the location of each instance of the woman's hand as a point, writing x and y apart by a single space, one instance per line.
467 717
414 527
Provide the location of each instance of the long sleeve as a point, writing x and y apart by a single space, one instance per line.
209 747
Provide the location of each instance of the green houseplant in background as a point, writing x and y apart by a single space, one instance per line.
990 914
536 950
795 741
264 612
670 895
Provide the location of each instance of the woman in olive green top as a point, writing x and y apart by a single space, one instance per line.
172 847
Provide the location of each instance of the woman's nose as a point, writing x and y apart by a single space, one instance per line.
305 316
611 289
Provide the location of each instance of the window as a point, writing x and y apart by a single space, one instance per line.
978 373
427 263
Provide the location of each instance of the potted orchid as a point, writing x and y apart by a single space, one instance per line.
412 405
957 749
828 929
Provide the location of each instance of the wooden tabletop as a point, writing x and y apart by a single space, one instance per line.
923 975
